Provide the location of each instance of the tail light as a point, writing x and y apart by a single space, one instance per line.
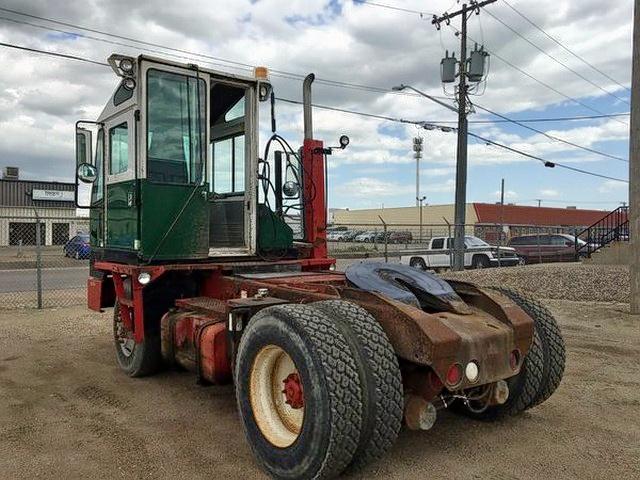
514 359
454 374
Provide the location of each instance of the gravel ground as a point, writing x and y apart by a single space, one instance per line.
567 281
68 412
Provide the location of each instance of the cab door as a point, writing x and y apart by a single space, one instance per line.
121 199
232 192
173 153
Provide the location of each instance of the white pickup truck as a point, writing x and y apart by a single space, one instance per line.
478 254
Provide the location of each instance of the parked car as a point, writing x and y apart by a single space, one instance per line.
78 247
478 254
400 237
546 247
366 237
336 235
351 235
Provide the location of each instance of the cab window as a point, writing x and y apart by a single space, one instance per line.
176 127
228 111
437 244
118 149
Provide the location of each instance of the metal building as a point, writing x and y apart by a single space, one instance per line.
22 201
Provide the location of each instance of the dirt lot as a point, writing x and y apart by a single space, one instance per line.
68 412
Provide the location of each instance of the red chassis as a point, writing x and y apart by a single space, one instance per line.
434 340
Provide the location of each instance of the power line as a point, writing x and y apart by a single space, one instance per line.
552 137
546 163
392 7
418 123
276 73
555 40
232 63
578 74
544 84
486 140
55 54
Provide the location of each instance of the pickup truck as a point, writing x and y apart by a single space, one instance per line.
478 254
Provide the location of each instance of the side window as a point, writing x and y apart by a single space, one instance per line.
98 185
558 240
437 244
516 241
118 149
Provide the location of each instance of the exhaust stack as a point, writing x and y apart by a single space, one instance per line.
306 105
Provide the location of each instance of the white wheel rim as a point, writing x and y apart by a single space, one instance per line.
278 421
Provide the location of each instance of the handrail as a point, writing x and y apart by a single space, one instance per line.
612 227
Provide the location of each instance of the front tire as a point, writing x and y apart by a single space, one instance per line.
135 359
419 263
480 261
320 377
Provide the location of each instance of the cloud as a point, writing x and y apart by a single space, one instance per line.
549 192
508 194
613 186
41 97
447 186
370 188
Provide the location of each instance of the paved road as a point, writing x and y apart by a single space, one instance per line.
52 279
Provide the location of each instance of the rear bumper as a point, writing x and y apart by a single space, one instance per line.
505 262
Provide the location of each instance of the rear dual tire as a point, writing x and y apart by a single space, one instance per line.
352 398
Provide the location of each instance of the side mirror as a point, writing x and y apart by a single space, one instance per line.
83 146
290 189
87 173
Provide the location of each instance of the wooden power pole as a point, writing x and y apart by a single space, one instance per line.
634 167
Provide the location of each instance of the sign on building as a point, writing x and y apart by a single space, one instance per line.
55 195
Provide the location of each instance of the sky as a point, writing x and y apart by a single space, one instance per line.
363 44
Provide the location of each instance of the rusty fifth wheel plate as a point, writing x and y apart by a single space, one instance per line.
277 398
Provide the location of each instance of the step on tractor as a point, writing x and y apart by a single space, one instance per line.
214 259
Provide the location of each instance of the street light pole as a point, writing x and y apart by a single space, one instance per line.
420 200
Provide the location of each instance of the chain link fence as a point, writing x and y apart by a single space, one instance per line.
533 243
44 261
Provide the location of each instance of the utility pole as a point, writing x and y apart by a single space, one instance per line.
461 162
501 221
417 154
634 167
539 200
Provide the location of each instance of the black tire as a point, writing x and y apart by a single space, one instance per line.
380 377
417 262
327 438
144 358
553 346
480 261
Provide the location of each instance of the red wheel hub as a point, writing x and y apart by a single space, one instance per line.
293 392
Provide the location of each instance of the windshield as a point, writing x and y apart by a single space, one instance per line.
475 242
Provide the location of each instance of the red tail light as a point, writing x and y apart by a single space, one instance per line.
454 374
514 359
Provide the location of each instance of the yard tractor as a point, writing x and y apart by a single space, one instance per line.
214 258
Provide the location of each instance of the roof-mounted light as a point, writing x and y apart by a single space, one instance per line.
122 65
261 73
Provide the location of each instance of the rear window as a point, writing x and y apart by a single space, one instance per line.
437 243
